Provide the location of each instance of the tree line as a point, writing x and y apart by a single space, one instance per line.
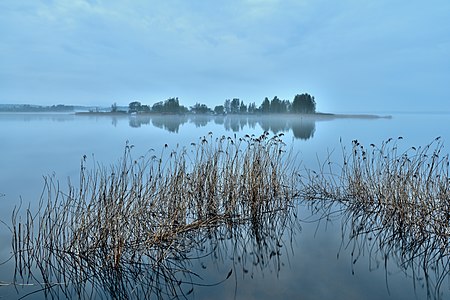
35 108
302 103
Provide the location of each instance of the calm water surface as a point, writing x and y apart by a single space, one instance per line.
314 263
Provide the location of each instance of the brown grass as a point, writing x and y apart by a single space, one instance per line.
397 203
127 228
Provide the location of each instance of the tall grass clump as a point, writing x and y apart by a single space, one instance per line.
124 230
398 199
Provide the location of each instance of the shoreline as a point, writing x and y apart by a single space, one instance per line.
316 116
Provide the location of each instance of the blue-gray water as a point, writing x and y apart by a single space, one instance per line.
314 265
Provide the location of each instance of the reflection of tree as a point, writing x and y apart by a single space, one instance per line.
170 123
303 129
235 123
219 120
252 122
275 125
138 121
200 120
232 125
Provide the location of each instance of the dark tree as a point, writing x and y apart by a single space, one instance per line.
235 105
158 107
304 104
145 108
243 108
287 105
265 106
277 106
251 108
134 106
219 110
227 106
172 105
200 109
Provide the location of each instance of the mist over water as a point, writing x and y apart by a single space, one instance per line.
313 260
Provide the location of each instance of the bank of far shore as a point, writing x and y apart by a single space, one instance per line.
316 116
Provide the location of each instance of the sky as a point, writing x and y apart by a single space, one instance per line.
351 55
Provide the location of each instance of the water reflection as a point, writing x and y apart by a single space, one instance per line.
388 246
209 258
171 124
253 245
139 229
31 117
303 127
425 260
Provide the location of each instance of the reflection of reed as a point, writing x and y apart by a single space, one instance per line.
128 231
397 206
256 243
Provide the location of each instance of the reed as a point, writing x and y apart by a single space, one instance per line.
396 201
136 220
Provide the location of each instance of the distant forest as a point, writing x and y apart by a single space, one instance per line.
35 108
302 103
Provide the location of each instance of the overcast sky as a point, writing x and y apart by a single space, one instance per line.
352 55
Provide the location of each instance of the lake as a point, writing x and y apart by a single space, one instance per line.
316 259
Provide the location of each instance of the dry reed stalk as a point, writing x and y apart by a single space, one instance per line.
140 215
396 200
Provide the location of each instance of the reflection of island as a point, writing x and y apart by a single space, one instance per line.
169 123
303 127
